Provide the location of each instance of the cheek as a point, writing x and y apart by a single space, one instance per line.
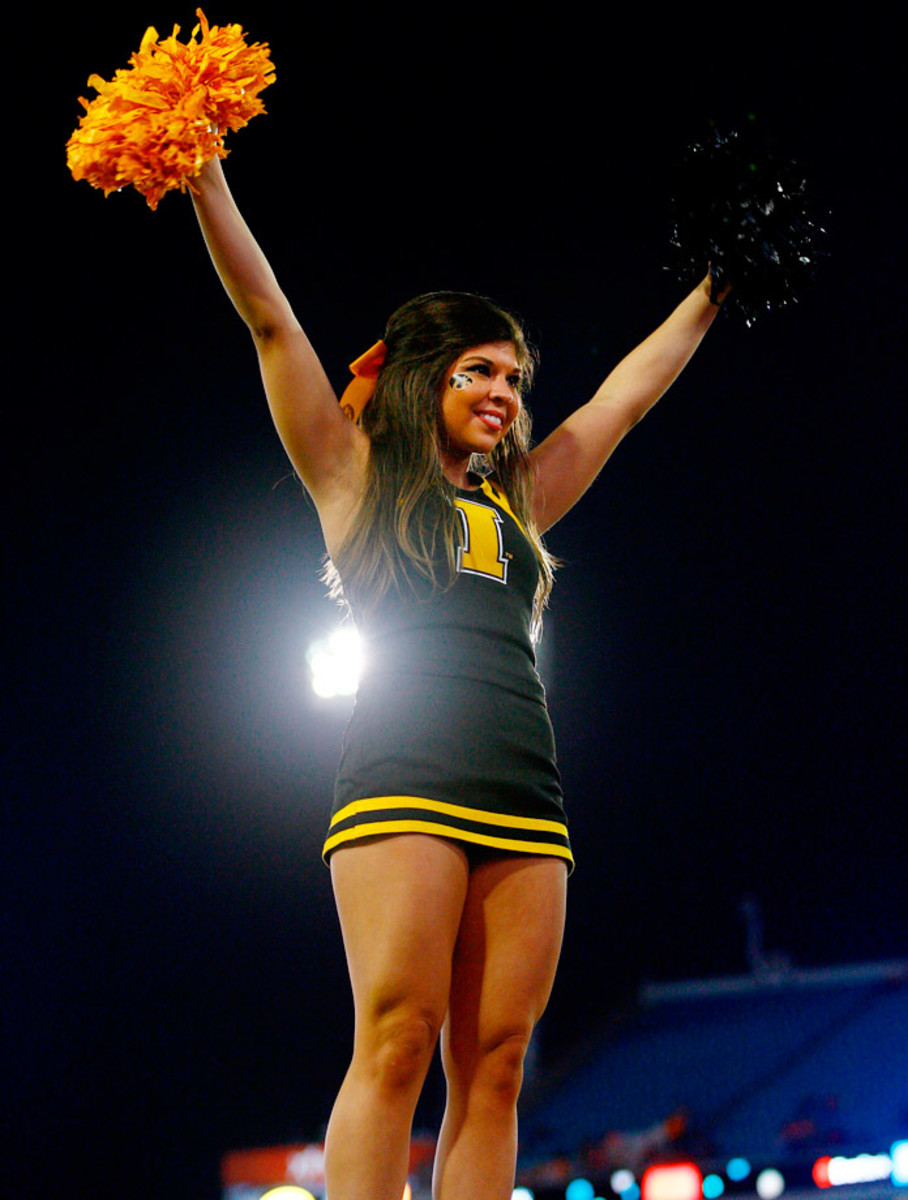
453 409
513 411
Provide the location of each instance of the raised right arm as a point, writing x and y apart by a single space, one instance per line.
328 451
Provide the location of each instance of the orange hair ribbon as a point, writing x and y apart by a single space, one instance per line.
359 390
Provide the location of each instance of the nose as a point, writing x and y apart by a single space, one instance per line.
501 389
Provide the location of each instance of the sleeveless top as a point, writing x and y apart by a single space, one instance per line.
450 734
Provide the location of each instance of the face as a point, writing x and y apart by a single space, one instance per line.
480 401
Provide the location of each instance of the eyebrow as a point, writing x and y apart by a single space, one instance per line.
491 362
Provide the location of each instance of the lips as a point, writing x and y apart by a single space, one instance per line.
492 420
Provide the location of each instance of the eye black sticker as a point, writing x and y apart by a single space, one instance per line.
461 380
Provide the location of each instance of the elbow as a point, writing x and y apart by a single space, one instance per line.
637 409
263 331
269 327
635 417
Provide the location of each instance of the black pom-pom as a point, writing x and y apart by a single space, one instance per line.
748 217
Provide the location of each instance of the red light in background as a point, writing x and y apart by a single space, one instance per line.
681 1181
820 1172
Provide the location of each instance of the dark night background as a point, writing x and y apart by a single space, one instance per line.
725 652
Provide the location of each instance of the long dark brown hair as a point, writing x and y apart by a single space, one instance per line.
406 523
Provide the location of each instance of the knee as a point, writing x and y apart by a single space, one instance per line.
499 1071
399 1046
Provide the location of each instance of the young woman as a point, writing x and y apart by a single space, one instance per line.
448 846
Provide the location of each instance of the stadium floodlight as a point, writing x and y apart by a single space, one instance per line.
335 663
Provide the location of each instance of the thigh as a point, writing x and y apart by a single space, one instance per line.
400 901
506 953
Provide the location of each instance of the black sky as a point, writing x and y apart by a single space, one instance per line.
725 654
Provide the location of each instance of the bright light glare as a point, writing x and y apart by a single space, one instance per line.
863 1168
842 1171
288 1191
681 1181
899 1155
335 663
521 1193
770 1184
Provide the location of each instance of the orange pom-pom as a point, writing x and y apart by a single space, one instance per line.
158 121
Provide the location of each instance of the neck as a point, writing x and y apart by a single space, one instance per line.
456 468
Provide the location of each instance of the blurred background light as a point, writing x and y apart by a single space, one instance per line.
288 1191
579 1189
820 1172
861 1168
713 1186
899 1156
521 1193
737 1169
770 1184
622 1181
682 1181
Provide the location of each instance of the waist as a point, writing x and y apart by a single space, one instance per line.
473 656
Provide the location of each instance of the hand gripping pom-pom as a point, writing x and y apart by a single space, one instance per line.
157 122
747 216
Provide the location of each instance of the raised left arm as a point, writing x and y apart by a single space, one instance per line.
571 457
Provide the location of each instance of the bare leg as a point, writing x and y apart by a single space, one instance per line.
400 901
504 967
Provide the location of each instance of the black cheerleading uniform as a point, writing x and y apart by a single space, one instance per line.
450 734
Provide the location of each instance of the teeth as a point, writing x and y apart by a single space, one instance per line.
491 419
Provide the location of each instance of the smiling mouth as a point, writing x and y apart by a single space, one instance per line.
492 419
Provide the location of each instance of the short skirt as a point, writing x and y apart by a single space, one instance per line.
451 757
